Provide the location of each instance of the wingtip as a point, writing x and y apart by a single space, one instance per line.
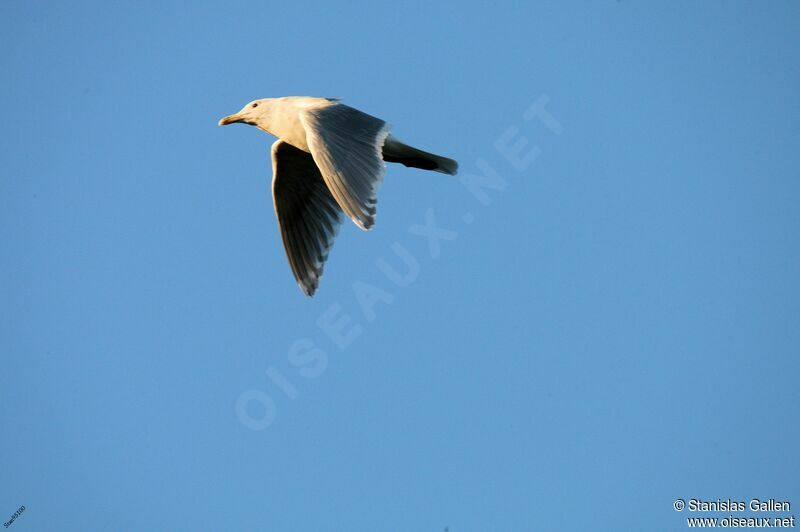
364 225
367 227
308 292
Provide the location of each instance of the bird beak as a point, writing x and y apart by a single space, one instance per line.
231 119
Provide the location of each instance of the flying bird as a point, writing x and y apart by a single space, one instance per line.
328 159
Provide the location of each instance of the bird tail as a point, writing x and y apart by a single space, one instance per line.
395 151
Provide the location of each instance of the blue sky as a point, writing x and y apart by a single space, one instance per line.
616 327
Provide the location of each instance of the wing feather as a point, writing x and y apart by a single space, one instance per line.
346 145
307 212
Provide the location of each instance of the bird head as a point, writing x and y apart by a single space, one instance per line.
254 113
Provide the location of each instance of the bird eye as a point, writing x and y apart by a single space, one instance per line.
254 105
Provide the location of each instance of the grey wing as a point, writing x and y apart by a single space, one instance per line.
346 145
308 215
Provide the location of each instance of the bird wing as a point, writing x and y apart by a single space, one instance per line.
346 145
308 215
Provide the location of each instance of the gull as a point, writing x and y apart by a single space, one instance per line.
328 160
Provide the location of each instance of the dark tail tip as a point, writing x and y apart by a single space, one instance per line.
447 166
395 151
